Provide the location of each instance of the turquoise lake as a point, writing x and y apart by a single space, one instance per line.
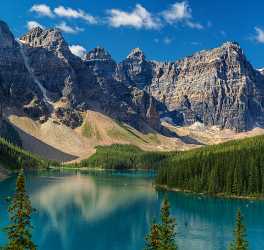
113 211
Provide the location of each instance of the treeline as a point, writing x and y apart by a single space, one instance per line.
15 157
232 168
123 157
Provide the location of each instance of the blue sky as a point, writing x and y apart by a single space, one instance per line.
165 30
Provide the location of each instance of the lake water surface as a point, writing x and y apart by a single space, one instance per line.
113 211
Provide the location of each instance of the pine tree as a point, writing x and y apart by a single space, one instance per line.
153 239
167 228
239 242
19 231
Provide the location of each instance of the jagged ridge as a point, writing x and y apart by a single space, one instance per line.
215 87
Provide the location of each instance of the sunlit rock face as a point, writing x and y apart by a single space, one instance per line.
216 87
212 87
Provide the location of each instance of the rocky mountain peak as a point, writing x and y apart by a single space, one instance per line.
48 38
233 49
6 37
98 53
137 54
231 44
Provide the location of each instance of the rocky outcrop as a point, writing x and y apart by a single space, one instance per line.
135 70
69 117
50 59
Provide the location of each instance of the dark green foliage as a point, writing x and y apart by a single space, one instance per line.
162 236
15 157
123 157
8 132
153 239
19 231
167 228
235 168
239 242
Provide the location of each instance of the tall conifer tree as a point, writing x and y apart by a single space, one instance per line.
239 242
19 231
167 228
153 239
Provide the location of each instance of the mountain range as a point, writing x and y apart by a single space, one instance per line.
42 80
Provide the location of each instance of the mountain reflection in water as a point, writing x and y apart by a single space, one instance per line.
94 201
72 200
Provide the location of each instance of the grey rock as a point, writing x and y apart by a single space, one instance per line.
216 87
16 84
7 40
69 117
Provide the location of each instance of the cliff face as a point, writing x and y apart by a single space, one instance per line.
216 87
16 84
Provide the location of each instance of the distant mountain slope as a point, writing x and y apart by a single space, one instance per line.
56 141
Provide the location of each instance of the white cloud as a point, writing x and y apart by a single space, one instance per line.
34 24
76 14
194 25
138 18
78 50
167 40
42 10
177 12
260 35
63 26
180 12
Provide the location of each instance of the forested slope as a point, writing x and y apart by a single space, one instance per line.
232 168
14 157
119 156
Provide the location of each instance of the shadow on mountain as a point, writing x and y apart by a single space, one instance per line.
189 140
38 147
